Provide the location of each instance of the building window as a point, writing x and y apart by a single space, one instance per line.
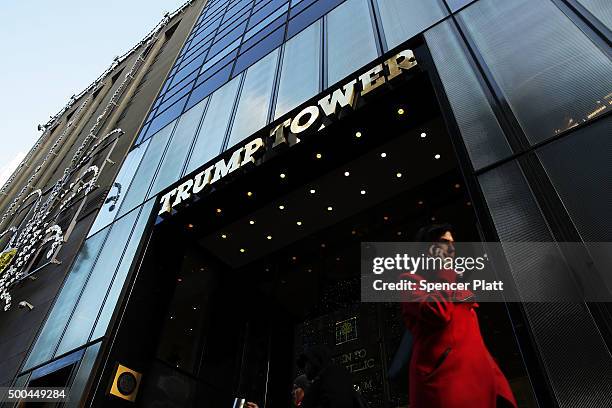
174 159
214 126
350 39
254 103
481 133
552 75
602 9
301 69
146 171
118 189
403 19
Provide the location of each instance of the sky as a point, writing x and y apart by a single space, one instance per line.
53 49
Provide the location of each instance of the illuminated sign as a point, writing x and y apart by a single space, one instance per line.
310 119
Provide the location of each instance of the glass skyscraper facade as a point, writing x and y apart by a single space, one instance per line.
524 87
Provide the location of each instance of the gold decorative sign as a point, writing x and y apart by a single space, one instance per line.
310 119
5 258
346 331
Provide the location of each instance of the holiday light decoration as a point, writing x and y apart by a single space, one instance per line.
40 228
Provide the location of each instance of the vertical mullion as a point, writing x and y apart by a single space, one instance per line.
590 25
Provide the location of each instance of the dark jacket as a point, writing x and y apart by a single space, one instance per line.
331 386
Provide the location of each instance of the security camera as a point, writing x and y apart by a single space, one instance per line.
23 304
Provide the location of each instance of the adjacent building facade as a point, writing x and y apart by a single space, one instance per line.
204 245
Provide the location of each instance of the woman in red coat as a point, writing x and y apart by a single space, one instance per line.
450 365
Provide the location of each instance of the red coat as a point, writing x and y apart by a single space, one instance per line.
450 365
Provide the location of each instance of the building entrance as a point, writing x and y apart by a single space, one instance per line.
268 264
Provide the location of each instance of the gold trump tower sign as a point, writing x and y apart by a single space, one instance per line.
311 118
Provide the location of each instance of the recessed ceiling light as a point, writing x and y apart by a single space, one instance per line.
281 207
269 237
189 226
242 250
318 155
224 236
386 218
437 156
312 191
294 258
249 194
423 135
299 223
433 218
420 202
323 245
383 155
457 185
398 175
252 222
357 135
283 175
219 211
171 317
401 111
468 203
399 233
179 279
346 174
362 192
329 208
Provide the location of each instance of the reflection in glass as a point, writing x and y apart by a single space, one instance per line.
301 69
176 154
350 39
90 301
403 19
552 75
82 375
210 137
140 185
480 130
126 262
117 192
62 308
252 110
602 9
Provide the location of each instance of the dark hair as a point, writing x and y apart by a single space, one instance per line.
432 232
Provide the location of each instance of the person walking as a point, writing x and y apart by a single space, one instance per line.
450 366
330 384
